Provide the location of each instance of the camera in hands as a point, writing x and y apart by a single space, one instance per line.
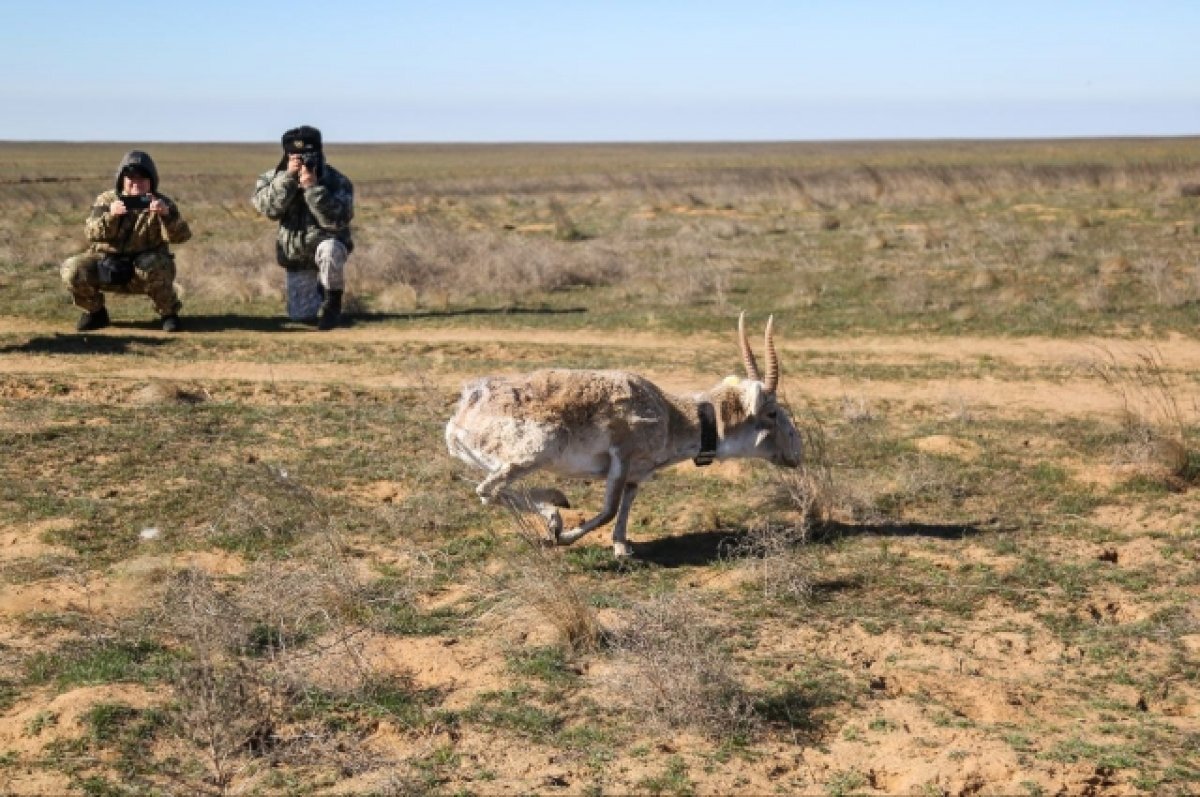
311 161
136 201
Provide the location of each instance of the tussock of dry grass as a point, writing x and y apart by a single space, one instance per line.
674 668
536 577
771 553
255 649
1157 442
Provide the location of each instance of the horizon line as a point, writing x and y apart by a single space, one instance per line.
635 142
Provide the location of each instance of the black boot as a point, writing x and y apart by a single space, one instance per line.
331 310
96 319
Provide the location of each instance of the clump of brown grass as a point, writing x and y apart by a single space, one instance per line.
162 391
224 705
772 553
257 651
910 292
233 268
565 229
536 576
674 668
434 258
810 490
693 266
1159 277
271 507
1156 440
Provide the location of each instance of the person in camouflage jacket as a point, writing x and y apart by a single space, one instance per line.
313 203
132 226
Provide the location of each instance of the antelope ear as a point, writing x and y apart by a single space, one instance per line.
754 396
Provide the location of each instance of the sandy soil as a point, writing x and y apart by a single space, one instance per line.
994 673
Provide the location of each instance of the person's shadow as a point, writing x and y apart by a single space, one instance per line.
224 322
110 343
85 343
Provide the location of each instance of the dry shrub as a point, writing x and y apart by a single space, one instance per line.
1155 430
910 292
772 553
537 577
857 409
1114 266
1159 278
223 702
259 651
1095 296
225 711
564 228
829 222
690 267
45 248
876 241
432 258
235 269
810 490
396 298
1059 245
674 667
271 507
165 392
813 493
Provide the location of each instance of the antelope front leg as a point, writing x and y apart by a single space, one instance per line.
614 489
621 548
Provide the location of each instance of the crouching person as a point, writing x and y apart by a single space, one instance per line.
130 230
313 203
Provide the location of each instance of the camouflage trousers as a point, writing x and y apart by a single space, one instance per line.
153 275
331 264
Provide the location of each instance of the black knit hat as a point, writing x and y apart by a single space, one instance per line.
301 139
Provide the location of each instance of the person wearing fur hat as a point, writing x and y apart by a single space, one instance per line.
313 203
130 229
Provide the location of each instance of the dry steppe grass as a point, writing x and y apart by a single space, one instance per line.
237 560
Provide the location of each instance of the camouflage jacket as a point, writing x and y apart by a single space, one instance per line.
136 231
306 216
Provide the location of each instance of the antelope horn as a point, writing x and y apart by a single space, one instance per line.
747 355
772 359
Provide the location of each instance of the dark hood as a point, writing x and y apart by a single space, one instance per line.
137 158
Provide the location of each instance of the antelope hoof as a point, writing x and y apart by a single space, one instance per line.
568 537
553 525
622 550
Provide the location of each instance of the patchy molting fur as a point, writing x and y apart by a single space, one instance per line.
611 425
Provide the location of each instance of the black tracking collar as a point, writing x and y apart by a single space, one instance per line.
708 435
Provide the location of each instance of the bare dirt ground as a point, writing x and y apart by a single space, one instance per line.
1075 393
932 718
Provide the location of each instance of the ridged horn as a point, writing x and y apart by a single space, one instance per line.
772 359
747 355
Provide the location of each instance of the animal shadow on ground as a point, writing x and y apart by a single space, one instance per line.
81 343
700 548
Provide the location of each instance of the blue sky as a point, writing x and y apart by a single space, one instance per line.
654 70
